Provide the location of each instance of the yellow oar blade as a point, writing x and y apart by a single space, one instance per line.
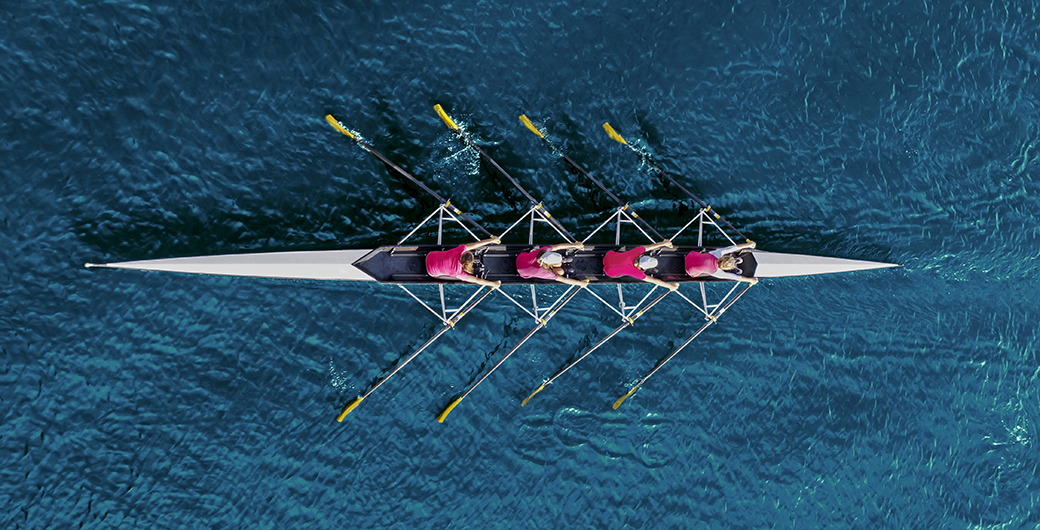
529 125
337 125
350 407
613 134
537 390
624 397
444 116
442 415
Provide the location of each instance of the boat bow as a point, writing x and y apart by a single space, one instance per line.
777 265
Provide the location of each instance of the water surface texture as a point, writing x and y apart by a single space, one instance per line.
904 132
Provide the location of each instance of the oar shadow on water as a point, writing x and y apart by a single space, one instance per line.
551 436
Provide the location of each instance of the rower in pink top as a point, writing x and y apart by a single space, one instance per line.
547 263
458 263
634 263
720 263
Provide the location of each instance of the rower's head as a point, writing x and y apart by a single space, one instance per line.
467 261
646 262
551 259
729 262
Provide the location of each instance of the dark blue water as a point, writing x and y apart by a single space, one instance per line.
903 132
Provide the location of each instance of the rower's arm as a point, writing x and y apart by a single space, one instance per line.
480 244
480 281
735 248
661 283
725 275
570 281
662 244
567 246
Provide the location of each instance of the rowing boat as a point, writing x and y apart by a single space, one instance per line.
403 264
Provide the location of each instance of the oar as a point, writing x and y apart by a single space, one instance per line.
364 145
483 154
628 322
450 325
646 159
541 324
574 165
712 319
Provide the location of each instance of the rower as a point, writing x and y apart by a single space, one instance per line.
547 263
720 263
458 263
634 263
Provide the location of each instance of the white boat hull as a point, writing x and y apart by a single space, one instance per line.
338 265
304 265
776 265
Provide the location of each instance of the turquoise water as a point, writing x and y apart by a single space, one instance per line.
902 398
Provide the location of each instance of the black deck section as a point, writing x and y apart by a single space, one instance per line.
407 264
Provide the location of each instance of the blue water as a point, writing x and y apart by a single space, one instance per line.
901 132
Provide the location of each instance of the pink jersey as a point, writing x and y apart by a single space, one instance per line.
620 263
441 263
701 264
528 267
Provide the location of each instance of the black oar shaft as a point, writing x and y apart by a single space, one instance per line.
406 360
580 170
642 222
499 168
493 163
517 185
703 204
646 159
425 188
401 171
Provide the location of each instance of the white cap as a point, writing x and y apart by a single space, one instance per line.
647 262
551 258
